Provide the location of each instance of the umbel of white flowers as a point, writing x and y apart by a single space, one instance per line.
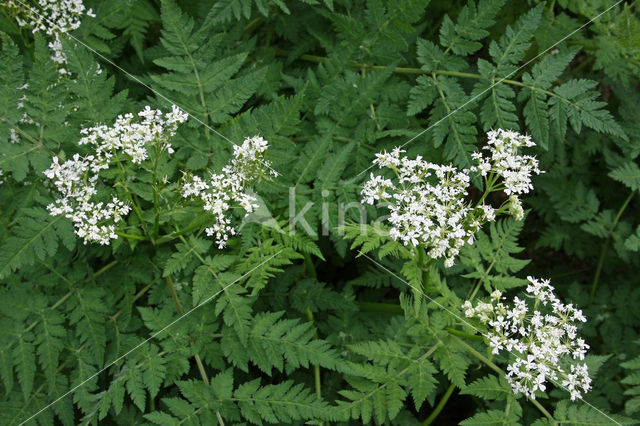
222 191
52 17
428 202
77 179
544 339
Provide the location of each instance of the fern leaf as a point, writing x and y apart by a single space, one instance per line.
25 362
514 43
576 104
489 387
568 413
231 299
38 236
472 23
628 174
184 256
50 341
457 130
88 315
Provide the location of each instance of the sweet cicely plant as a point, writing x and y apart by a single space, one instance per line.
84 181
397 269
431 212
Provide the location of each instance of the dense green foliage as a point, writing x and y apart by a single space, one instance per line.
295 327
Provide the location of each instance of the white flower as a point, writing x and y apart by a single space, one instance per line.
428 202
545 343
76 179
132 138
220 191
515 169
53 17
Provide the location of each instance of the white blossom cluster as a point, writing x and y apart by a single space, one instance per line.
546 336
77 179
515 169
223 191
53 17
428 203
132 138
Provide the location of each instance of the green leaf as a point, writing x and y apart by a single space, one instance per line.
628 174
488 387
36 235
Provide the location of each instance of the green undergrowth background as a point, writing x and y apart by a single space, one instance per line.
312 332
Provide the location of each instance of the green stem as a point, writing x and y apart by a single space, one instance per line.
105 268
316 367
464 335
176 301
425 265
198 224
419 71
605 247
498 370
134 205
311 270
309 266
138 295
131 236
440 406
156 208
33 141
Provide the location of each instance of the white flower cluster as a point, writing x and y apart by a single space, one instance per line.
77 179
515 169
53 17
222 190
547 341
132 138
428 202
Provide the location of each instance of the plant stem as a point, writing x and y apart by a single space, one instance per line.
178 233
134 205
310 269
316 367
156 218
425 265
605 247
440 406
138 295
498 370
464 335
105 268
33 141
419 71
131 236
176 301
309 266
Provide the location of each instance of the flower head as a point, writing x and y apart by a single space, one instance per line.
222 191
52 17
545 337
428 202
77 179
